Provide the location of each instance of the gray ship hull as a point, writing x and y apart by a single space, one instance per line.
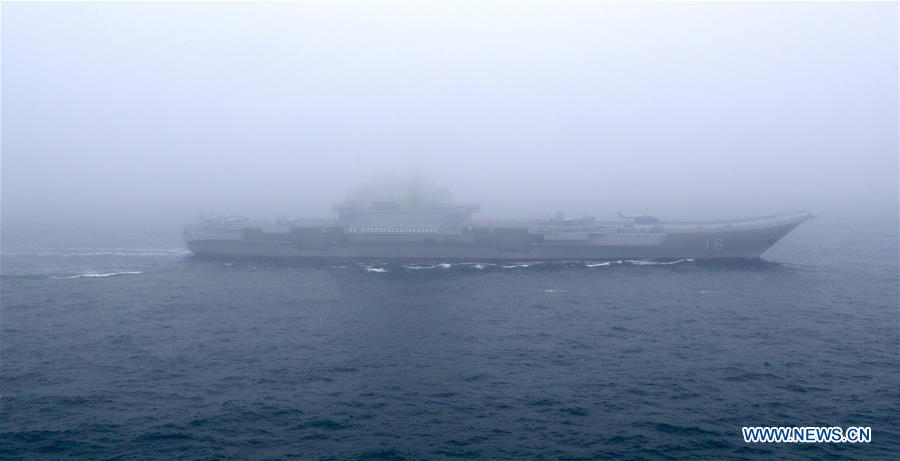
707 240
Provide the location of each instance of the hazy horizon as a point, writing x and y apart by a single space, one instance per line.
156 113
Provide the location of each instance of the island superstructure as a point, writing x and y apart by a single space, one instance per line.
423 222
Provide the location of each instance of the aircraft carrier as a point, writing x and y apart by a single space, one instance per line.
423 222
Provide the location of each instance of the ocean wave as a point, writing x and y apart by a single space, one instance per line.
679 261
543 264
512 265
478 265
515 266
601 264
434 266
74 252
646 262
98 274
637 262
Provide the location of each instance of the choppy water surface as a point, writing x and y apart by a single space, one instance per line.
147 353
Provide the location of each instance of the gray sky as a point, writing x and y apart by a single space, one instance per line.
163 111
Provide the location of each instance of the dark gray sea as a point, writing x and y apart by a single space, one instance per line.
139 351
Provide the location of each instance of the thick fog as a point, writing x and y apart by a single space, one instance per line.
158 113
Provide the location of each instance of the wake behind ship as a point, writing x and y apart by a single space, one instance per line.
423 222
